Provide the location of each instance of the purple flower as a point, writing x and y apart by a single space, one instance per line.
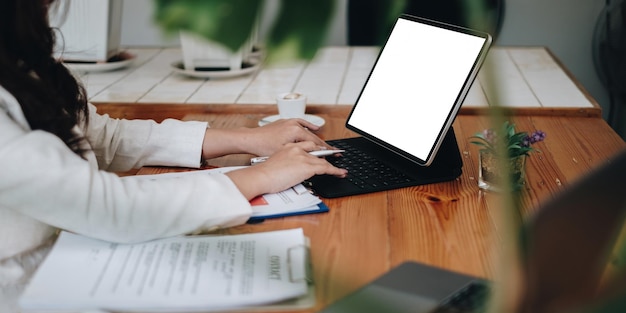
533 138
537 136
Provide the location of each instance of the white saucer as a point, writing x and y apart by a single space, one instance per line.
246 68
121 60
313 119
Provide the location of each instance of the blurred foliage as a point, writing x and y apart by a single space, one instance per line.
300 29
297 31
229 22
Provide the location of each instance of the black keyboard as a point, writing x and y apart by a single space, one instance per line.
364 170
372 168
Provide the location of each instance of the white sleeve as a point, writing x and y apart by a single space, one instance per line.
42 178
120 144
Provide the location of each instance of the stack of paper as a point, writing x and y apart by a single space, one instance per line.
182 274
295 200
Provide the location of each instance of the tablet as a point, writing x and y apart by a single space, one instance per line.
417 85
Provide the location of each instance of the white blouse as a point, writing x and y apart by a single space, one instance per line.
44 186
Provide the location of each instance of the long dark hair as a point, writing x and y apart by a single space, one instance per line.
51 98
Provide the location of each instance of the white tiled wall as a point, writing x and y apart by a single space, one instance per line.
525 77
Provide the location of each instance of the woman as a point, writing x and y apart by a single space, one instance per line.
56 151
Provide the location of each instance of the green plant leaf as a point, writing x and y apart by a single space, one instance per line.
510 129
228 22
480 143
300 29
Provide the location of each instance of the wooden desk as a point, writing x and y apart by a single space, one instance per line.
451 225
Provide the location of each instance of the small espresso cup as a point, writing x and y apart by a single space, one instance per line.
291 105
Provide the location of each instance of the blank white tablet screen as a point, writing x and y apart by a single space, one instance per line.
414 85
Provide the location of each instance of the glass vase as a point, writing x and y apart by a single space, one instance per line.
490 175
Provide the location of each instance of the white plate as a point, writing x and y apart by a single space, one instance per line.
246 68
313 119
123 59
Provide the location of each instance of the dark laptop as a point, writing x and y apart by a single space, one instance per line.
566 247
406 108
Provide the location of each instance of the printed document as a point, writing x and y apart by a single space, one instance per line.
182 274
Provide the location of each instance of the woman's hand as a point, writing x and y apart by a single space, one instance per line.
261 141
274 136
284 169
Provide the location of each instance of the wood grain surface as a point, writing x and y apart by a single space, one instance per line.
453 225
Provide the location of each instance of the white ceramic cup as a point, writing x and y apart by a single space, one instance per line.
291 105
